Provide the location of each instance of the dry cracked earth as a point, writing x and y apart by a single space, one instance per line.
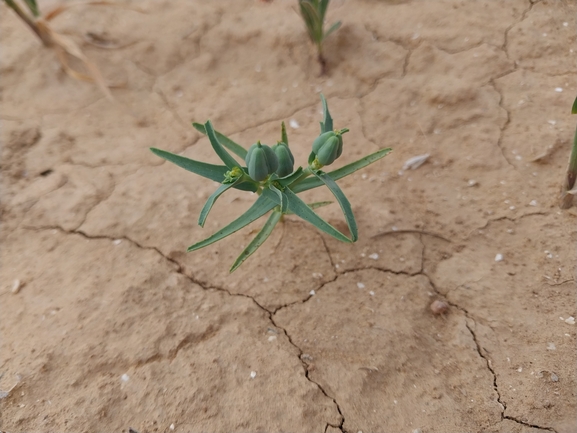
107 324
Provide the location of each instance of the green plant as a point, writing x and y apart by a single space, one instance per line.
313 13
569 188
269 173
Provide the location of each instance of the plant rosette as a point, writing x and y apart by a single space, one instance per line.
270 173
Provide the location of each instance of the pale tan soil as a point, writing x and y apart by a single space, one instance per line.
96 227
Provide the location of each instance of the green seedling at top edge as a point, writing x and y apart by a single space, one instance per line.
313 13
569 188
269 172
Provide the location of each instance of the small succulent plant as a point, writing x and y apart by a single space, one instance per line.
313 13
270 173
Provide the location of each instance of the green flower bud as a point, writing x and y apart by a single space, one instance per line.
285 157
330 150
261 161
321 139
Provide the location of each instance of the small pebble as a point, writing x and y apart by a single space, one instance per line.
252 374
16 286
374 256
499 257
439 307
551 346
558 89
312 293
125 377
360 285
294 124
554 377
117 241
372 293
472 182
171 426
533 203
570 320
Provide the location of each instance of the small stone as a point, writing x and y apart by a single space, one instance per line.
439 307
570 320
125 377
294 124
533 203
499 257
252 374
554 377
171 426
360 285
372 293
374 256
312 293
16 286
558 89
551 346
117 241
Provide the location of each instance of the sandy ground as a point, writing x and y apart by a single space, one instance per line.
114 326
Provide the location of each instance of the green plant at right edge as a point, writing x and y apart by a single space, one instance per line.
313 13
569 188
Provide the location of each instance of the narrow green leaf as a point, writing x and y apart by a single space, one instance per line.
301 209
209 171
281 196
212 199
333 28
287 180
260 207
226 157
313 182
235 148
33 7
327 123
574 108
258 240
314 205
323 5
343 202
283 134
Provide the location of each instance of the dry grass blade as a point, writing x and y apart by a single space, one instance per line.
65 46
61 8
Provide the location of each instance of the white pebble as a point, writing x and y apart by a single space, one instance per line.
565 24
372 293
312 293
294 124
272 338
499 258
570 320
472 182
16 286
117 241
520 369
533 203
551 346
125 377
374 256
171 426
551 122
416 161
252 374
360 285
558 89
512 207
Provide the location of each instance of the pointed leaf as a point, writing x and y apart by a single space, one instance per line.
281 196
333 28
212 199
260 207
314 182
324 4
327 123
226 157
343 202
301 209
209 171
314 205
283 134
258 240
574 108
235 148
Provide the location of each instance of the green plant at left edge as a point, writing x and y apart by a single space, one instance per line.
269 172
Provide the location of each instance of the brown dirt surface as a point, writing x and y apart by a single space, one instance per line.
107 324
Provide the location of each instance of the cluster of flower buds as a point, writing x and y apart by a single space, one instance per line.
262 161
328 146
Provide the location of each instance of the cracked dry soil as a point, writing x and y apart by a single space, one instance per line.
114 326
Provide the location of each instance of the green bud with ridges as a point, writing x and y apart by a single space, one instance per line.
285 157
328 146
261 161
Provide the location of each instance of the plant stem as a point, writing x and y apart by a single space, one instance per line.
570 178
323 63
306 173
28 20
